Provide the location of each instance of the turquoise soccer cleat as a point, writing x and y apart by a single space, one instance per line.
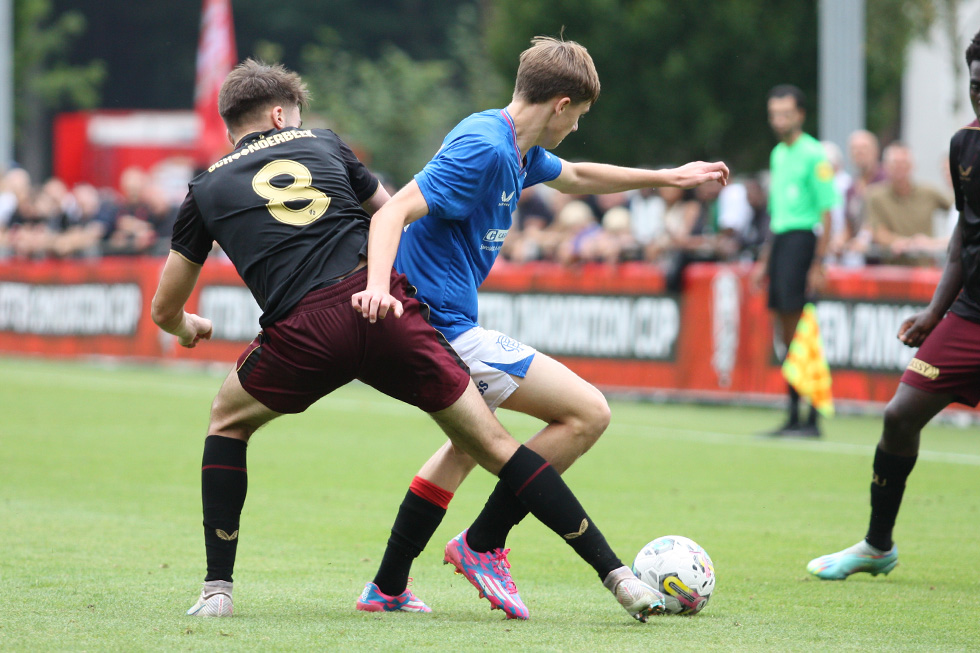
862 557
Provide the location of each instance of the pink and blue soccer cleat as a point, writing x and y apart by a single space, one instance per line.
860 557
374 600
488 572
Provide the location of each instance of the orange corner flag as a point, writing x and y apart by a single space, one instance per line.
805 367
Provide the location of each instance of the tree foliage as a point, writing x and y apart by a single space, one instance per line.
43 79
689 80
396 108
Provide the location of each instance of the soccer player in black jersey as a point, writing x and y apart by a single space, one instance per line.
946 368
290 207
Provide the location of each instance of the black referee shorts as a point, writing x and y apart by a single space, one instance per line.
789 262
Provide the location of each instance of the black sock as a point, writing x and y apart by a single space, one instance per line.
887 488
539 486
794 405
501 513
414 526
811 419
224 482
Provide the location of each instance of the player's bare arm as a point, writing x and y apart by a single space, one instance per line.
407 206
915 329
601 178
167 310
374 203
816 278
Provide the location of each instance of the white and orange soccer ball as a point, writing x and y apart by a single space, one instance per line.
680 569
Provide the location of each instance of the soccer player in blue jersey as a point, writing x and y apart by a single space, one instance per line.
455 215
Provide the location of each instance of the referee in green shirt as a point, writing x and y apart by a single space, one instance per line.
801 194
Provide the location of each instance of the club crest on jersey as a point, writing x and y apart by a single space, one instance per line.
509 344
506 197
496 235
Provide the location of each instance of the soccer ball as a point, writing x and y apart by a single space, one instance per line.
680 569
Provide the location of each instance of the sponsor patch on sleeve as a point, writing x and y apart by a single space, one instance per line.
825 171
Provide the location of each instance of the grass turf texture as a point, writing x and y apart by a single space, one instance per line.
102 547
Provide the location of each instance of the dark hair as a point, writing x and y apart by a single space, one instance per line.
788 90
973 50
253 86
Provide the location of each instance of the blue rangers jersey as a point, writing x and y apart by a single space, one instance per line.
471 187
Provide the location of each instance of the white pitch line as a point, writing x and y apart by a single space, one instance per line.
819 446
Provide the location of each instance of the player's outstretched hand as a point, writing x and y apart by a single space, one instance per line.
195 329
375 304
696 173
915 329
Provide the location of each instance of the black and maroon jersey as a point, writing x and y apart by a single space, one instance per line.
964 164
285 206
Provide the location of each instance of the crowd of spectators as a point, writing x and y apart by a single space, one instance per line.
51 221
886 216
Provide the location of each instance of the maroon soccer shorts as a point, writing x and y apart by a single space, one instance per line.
948 362
323 343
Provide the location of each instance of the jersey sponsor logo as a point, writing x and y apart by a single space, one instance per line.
825 171
506 198
965 173
931 372
496 235
262 144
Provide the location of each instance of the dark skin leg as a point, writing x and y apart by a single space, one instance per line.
906 415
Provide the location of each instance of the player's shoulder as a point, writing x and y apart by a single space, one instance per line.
967 133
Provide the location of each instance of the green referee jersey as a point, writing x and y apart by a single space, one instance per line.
801 185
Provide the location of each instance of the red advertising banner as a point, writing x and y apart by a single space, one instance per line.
616 326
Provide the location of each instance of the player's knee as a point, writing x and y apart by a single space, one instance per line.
899 424
225 422
592 418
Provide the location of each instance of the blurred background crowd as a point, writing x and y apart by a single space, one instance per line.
885 216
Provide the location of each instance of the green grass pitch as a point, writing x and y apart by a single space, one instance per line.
101 545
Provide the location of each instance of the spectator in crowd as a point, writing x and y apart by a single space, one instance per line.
864 152
90 222
134 233
647 208
575 227
754 237
613 242
702 239
743 220
680 213
15 188
839 233
529 236
160 215
901 211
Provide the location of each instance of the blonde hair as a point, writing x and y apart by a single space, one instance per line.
553 68
253 86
